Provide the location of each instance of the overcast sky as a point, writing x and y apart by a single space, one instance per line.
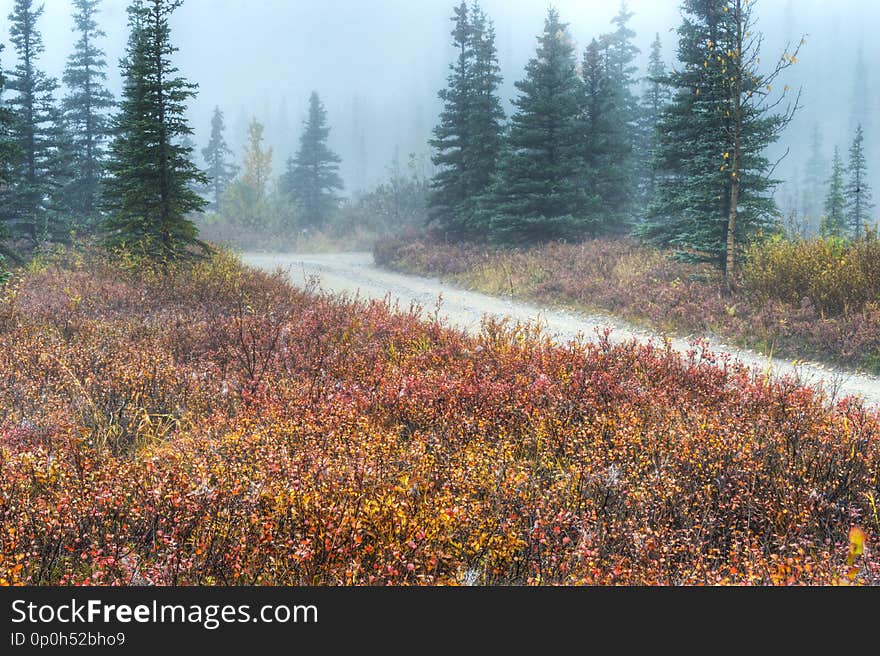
378 64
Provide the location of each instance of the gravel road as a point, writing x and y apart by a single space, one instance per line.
356 274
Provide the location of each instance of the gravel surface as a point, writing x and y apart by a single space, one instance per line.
355 274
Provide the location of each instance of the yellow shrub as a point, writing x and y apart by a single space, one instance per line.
837 277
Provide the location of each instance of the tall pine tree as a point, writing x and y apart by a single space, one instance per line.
654 100
485 117
312 177
601 176
7 156
615 177
86 110
834 219
858 192
33 212
221 171
610 114
538 192
714 189
149 194
449 193
468 139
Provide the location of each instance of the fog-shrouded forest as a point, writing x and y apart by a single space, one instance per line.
378 66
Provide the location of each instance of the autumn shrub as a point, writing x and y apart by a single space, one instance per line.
772 309
834 276
217 426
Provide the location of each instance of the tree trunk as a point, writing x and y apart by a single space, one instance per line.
730 263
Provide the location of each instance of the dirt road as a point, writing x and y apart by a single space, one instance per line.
356 274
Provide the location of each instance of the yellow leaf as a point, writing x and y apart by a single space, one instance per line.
856 541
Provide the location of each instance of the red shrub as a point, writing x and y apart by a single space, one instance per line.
220 427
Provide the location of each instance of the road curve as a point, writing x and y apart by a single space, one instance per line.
355 274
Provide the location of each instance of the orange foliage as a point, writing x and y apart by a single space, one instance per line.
217 426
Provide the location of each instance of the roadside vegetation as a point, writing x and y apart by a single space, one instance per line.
802 299
213 425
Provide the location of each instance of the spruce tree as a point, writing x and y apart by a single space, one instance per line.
615 179
654 100
312 177
221 171
468 139
449 193
714 187
610 116
858 192
485 118
149 193
86 114
32 211
834 219
7 156
538 194
599 127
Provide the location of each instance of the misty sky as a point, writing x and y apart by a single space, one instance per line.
378 64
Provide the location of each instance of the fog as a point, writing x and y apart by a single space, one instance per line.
378 65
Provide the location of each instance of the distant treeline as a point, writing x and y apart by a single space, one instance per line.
677 157
681 164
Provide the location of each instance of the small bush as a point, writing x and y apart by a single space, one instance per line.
797 299
836 277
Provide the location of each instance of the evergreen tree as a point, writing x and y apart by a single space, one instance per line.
468 139
7 156
714 189
85 111
149 193
217 153
815 171
484 130
615 179
610 114
449 194
312 176
32 211
834 219
654 101
538 193
600 177
858 191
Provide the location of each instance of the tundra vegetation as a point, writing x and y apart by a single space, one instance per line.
169 416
